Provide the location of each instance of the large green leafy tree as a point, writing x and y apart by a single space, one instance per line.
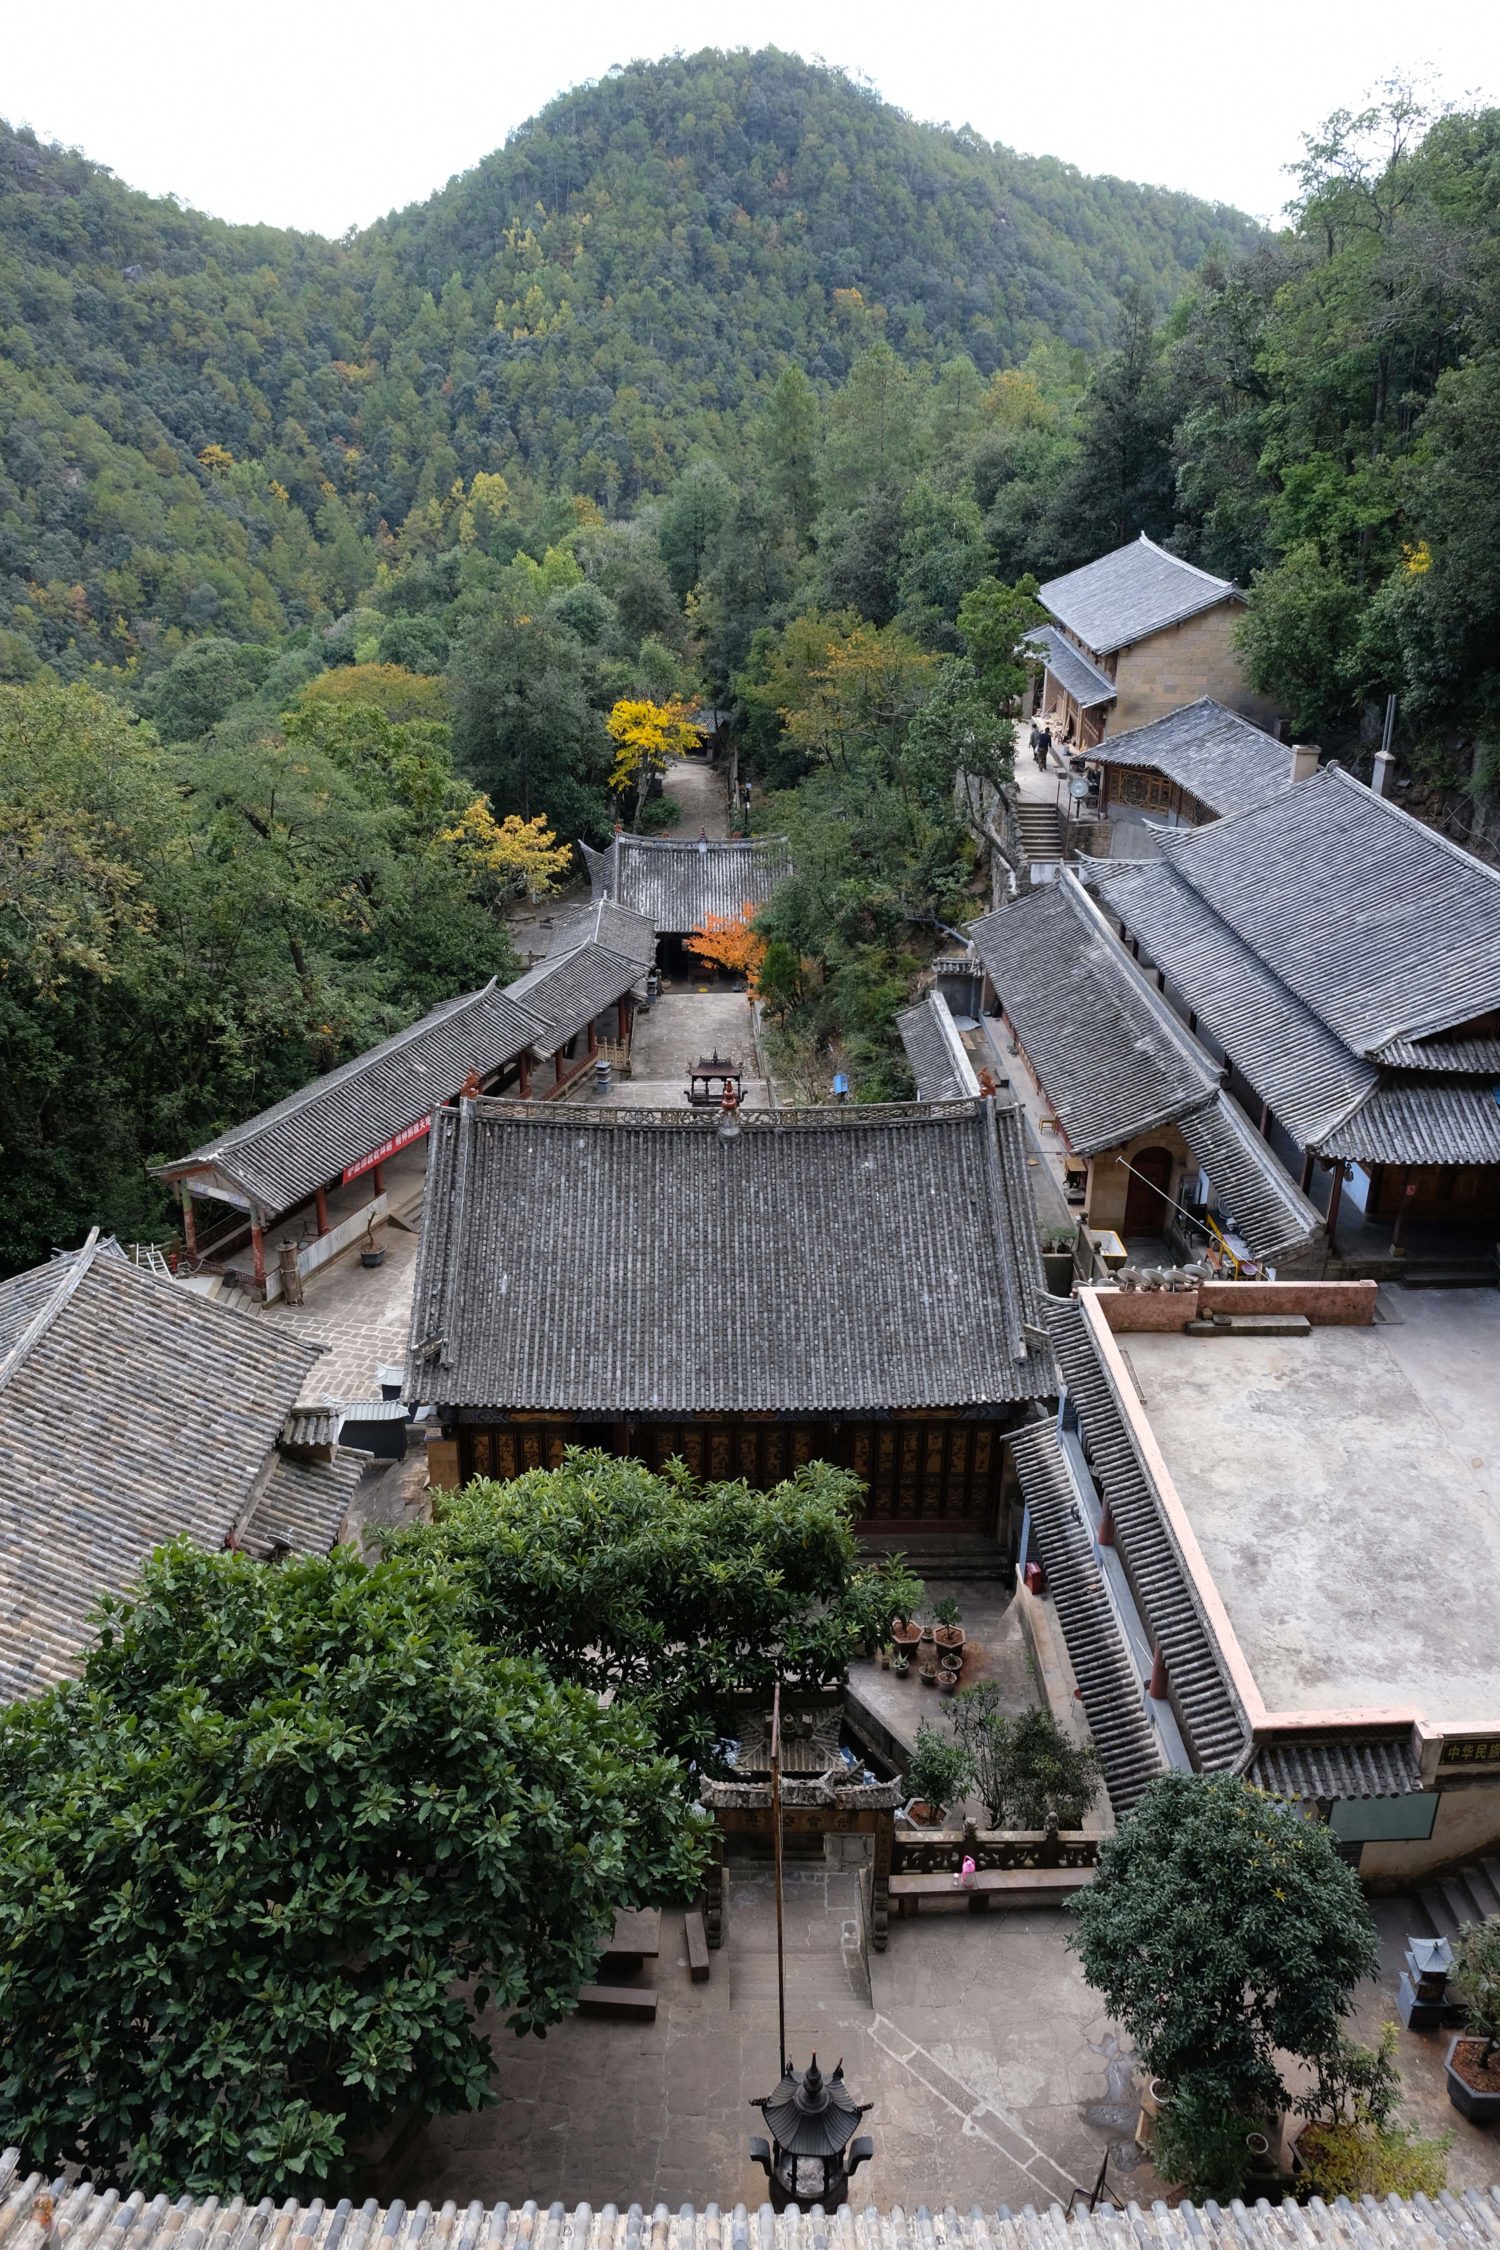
682 1596
524 727
1220 1929
265 1865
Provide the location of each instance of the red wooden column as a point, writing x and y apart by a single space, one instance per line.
593 1035
320 1197
525 1081
189 1221
559 1067
1403 1208
377 1175
258 1249
624 1015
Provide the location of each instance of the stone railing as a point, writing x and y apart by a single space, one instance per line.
941 1851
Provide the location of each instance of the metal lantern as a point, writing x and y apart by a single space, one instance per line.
814 2147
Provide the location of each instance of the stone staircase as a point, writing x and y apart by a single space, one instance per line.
1466 1894
1041 832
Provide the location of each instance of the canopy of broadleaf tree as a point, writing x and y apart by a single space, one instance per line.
681 1596
1220 1929
264 1865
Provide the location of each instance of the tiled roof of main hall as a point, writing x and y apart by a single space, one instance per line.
600 1261
76 2214
678 881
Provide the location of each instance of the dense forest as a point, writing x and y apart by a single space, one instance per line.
328 565
207 427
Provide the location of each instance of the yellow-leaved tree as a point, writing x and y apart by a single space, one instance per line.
506 859
647 737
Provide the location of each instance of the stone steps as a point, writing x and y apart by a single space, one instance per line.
1463 1895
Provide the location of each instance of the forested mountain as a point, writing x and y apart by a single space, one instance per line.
210 428
334 605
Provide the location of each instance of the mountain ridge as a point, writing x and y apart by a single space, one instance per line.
211 427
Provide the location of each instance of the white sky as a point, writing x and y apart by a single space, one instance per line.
307 113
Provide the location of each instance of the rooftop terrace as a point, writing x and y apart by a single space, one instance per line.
1345 1489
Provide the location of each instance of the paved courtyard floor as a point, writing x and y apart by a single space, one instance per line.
995 2075
987 2058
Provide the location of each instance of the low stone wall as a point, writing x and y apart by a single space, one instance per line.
1327 1304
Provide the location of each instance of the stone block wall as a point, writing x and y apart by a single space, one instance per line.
1176 666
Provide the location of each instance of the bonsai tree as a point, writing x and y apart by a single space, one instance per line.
1028 1773
939 1770
1220 1928
682 1596
263 1868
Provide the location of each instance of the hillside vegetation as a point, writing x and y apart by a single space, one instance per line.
211 428
323 618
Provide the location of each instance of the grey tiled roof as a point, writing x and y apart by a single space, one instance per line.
635 1262
676 882
1305 1071
1071 669
1113 1057
303 1505
1317 931
1116 1061
1108 1682
939 1064
566 991
1336 1767
1208 1710
1134 591
1457 1058
1421 1121
1215 755
617 928
1270 1213
80 2214
280 1155
140 1411
1381 927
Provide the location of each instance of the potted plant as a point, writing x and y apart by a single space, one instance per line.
1474 2060
906 1633
370 1254
937 1773
901 1664
927 1663
885 1656
949 1668
947 1628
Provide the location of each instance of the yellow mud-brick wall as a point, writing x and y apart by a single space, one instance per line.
1181 663
1109 1182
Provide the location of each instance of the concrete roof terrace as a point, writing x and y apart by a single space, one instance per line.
1344 1487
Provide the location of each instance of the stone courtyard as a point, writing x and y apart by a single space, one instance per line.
988 2059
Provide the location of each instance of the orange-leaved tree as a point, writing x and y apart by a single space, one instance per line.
729 941
647 737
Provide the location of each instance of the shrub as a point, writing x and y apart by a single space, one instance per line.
1028 1773
940 1769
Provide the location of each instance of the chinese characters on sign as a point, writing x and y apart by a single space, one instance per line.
1471 1750
387 1148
